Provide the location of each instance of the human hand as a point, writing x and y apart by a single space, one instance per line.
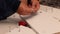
24 9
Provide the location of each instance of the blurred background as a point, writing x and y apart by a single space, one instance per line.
52 3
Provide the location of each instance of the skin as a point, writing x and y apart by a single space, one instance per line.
24 9
35 5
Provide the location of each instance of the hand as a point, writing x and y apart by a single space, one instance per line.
35 5
23 9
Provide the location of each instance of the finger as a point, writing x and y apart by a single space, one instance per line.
33 4
26 11
23 13
37 6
